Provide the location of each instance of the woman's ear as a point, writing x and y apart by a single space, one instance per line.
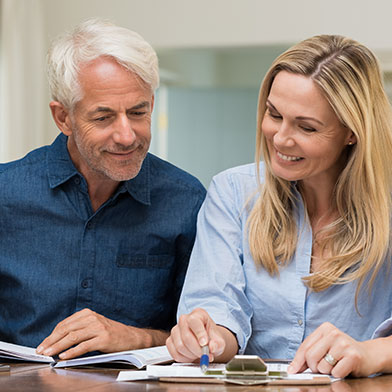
352 139
61 117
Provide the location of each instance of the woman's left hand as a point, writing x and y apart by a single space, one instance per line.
330 351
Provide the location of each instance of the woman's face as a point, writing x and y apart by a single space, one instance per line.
304 136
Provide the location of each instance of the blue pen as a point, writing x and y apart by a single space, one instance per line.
204 359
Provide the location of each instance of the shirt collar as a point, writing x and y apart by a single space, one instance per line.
140 186
61 168
59 164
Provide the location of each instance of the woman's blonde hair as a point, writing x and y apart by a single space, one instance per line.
349 77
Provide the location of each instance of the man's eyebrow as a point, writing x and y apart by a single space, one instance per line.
102 109
140 105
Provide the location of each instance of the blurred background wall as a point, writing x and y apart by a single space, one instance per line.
213 55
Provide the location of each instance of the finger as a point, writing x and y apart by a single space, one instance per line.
171 348
293 368
330 350
176 355
76 321
326 367
185 342
58 333
104 331
197 323
299 364
193 333
342 368
82 348
314 347
68 334
315 356
55 342
217 343
71 339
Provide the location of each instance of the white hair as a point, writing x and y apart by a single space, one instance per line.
86 42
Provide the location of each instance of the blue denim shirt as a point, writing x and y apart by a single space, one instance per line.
126 261
270 315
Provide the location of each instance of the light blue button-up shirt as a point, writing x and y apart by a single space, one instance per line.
270 316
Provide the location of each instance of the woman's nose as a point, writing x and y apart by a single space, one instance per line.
284 136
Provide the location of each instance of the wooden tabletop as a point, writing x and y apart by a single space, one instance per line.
42 378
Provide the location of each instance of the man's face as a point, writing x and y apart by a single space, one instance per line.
110 127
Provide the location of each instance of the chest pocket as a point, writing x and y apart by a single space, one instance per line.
144 288
145 261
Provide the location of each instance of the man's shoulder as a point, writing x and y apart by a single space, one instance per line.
168 175
31 161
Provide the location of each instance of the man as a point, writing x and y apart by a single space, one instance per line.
95 233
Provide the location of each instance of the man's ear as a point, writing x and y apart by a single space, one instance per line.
61 117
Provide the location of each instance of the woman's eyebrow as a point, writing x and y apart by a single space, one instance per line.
269 103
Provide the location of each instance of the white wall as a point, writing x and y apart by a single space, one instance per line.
195 23
23 91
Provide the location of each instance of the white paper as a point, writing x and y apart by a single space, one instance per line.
178 371
277 367
133 375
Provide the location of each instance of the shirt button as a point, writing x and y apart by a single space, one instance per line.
85 283
300 322
77 180
90 225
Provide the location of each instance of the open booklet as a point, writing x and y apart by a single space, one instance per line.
14 351
135 358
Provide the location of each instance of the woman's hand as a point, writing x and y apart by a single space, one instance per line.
195 330
330 351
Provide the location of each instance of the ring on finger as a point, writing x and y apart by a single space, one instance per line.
330 359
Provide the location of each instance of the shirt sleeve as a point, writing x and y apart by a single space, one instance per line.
384 329
215 279
185 243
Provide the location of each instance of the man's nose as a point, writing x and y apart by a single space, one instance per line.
123 131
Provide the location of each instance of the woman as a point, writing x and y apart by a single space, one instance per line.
292 257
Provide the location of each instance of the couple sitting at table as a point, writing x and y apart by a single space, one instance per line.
291 258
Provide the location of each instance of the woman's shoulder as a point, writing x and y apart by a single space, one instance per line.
244 175
237 183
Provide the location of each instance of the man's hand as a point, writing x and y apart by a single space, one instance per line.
87 331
